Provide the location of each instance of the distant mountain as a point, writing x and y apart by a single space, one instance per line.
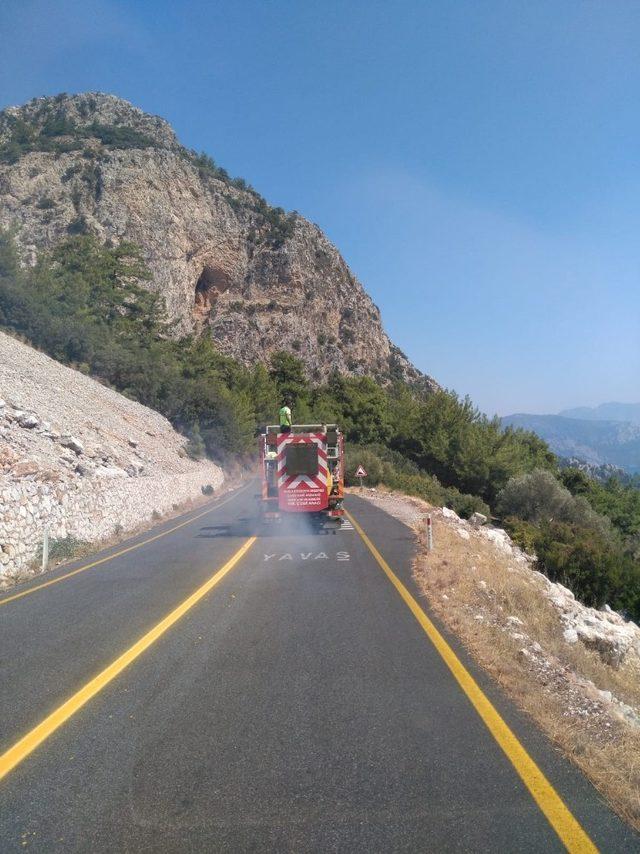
606 412
591 440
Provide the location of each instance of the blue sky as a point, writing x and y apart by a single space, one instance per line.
475 162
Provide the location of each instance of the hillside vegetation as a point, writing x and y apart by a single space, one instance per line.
85 304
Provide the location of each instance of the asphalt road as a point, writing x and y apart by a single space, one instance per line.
295 704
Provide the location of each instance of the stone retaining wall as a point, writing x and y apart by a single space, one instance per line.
89 510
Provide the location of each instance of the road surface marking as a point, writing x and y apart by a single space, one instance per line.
117 554
558 815
28 743
276 557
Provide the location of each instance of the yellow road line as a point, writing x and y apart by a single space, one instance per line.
146 542
558 815
28 743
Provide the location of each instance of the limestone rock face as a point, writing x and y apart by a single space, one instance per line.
227 264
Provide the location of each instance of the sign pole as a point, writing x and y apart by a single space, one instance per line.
429 534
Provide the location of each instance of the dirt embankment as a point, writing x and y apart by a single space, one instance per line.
574 670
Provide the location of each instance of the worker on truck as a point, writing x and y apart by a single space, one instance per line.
285 418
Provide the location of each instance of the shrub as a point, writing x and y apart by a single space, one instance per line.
465 505
523 534
59 134
373 465
383 466
67 548
618 500
195 447
589 565
593 564
116 136
79 225
535 497
63 550
68 174
539 497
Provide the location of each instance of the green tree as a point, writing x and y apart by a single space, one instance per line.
361 407
288 374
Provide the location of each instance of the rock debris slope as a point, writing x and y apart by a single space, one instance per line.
80 459
228 265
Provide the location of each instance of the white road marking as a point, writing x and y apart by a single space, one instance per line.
277 556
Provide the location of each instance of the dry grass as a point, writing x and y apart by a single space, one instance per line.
474 588
553 686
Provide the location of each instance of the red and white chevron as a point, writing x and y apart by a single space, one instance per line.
302 492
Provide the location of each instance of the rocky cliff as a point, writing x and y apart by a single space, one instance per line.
80 459
227 264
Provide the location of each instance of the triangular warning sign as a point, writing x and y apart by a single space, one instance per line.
360 472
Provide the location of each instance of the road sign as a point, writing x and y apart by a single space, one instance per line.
360 472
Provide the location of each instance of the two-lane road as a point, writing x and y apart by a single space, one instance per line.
209 688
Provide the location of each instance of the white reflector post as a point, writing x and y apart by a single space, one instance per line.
45 549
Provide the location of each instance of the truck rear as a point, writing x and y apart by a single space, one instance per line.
302 472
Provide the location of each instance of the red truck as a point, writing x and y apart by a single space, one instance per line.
302 471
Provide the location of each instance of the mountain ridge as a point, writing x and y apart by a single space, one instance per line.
612 411
596 442
254 278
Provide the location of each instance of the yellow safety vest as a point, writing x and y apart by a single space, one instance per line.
285 417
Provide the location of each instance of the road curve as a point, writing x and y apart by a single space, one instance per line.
218 688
